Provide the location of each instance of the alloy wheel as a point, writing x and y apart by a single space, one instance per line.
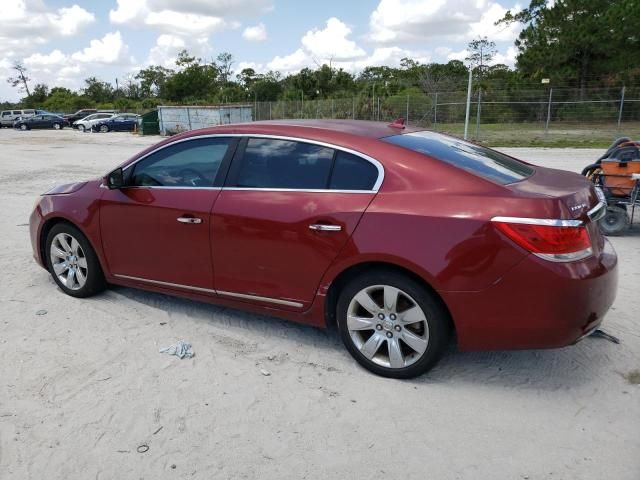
387 326
69 261
23 127
56 126
104 128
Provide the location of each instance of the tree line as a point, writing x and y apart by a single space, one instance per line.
575 43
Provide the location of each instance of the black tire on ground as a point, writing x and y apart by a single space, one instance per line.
615 222
436 316
57 126
95 282
104 128
81 128
24 127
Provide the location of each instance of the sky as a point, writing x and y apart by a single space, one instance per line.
61 42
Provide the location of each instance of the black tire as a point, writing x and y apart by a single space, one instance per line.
103 128
81 128
436 316
95 282
24 127
615 222
57 126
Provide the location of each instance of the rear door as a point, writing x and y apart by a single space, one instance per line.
156 230
287 209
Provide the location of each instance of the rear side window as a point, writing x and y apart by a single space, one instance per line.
193 163
352 173
271 163
478 160
17 112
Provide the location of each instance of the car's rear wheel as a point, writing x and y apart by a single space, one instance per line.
104 128
57 126
23 127
72 262
392 325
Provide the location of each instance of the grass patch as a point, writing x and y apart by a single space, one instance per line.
560 135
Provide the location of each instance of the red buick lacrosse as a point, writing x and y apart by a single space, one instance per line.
401 237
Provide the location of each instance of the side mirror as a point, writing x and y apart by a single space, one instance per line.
115 179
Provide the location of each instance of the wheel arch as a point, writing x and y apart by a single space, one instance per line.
51 222
351 272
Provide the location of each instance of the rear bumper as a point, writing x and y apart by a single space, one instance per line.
538 304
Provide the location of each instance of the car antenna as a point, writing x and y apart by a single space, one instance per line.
398 123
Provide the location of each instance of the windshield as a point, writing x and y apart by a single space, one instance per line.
476 159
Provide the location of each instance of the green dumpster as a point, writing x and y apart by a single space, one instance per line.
149 124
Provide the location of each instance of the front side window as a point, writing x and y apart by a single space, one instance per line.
193 163
271 163
475 159
17 112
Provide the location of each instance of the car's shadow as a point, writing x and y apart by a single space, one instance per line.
565 368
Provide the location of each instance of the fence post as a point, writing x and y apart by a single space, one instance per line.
478 109
333 111
621 106
546 127
188 116
435 112
378 108
407 120
269 110
466 117
353 108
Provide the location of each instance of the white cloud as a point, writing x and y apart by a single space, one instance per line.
257 33
184 23
128 10
398 21
110 49
166 50
25 23
290 63
332 42
219 8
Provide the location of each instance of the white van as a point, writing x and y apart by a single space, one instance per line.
7 117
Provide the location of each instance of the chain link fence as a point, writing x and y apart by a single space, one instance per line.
542 116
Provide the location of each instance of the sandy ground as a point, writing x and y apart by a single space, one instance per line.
82 386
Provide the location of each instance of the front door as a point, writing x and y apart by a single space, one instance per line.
283 216
156 229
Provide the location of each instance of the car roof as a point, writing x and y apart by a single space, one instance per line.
312 128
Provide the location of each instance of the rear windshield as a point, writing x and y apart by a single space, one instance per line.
479 160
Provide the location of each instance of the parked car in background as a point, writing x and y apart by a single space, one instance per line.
8 117
87 122
41 121
400 236
123 122
79 115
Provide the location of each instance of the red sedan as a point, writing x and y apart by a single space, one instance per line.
401 237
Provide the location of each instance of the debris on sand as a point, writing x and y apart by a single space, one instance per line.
41 312
180 349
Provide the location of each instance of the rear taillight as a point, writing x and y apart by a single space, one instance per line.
554 240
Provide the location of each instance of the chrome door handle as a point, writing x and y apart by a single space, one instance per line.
189 220
319 227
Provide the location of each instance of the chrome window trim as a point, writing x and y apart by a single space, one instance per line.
244 296
364 156
550 222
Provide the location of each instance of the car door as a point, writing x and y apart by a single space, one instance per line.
156 228
37 121
282 218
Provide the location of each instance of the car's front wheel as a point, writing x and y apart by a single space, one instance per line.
81 128
72 262
392 325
